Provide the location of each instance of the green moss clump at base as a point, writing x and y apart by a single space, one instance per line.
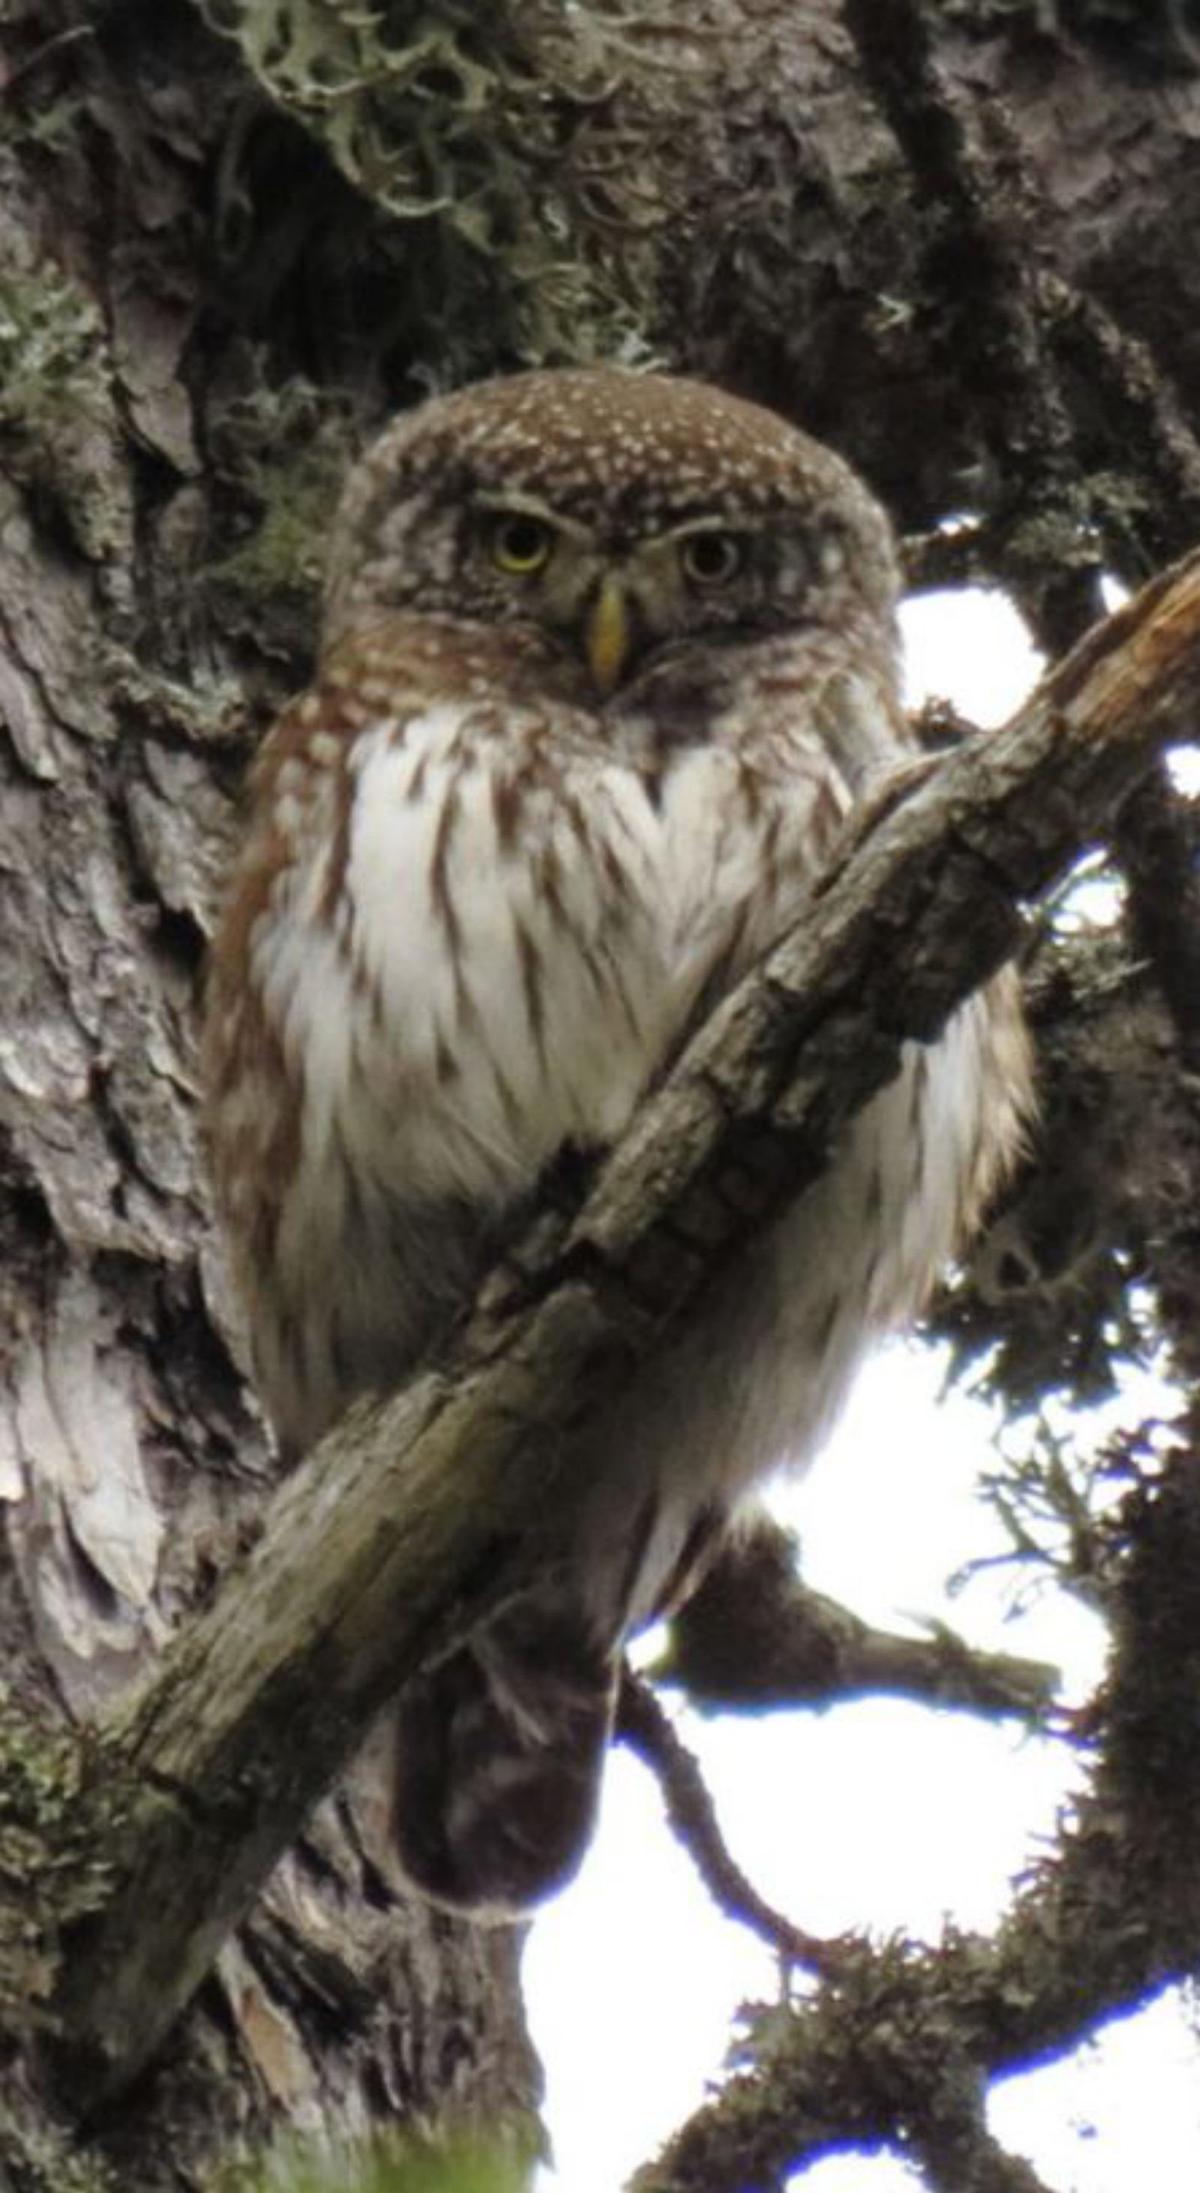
49 1873
387 2165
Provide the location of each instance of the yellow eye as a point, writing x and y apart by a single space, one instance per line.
712 559
519 544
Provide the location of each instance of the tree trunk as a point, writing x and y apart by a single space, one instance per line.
954 241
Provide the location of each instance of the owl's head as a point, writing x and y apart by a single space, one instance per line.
618 514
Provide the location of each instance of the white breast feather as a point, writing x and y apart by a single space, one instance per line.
377 1004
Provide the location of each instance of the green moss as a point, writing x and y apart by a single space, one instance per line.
279 456
281 557
386 2166
51 335
49 1873
58 428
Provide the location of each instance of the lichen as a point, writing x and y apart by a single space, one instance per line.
279 455
36 2159
508 142
58 427
50 1874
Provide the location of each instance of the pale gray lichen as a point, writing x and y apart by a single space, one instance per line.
58 424
512 133
51 1871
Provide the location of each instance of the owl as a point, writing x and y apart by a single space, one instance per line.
608 664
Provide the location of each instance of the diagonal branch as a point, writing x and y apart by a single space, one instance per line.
399 1531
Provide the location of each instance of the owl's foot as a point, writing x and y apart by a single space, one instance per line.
499 1761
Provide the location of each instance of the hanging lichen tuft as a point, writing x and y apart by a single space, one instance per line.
509 141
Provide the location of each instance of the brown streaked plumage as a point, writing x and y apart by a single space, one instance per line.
608 663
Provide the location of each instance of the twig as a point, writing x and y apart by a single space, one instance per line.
49 46
643 1725
754 1634
961 555
894 2051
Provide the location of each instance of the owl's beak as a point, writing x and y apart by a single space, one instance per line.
607 635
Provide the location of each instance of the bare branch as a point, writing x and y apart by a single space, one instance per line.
894 2049
755 1634
645 1728
399 1531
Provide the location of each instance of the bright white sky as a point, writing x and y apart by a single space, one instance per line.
880 1814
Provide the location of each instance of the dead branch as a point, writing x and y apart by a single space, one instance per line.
399 1531
754 1634
644 1727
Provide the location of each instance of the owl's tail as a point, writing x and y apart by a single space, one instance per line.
500 1759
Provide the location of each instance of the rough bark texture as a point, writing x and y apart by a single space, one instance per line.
950 236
